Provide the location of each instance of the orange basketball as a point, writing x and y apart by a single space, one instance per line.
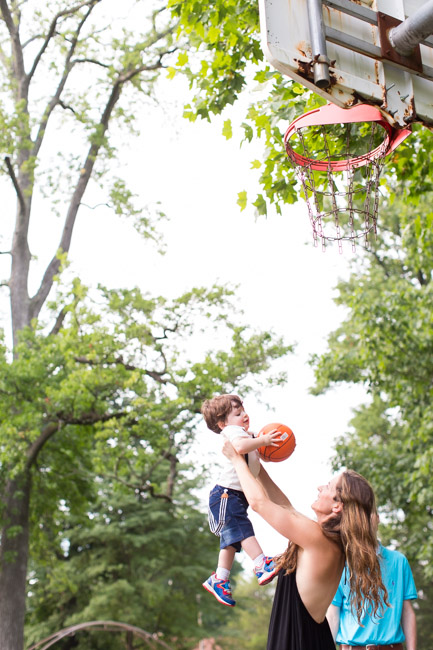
286 445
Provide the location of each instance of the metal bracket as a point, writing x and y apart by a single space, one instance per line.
385 23
320 63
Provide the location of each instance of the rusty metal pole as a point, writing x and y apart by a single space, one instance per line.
318 44
413 30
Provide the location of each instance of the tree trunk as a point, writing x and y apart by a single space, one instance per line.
13 562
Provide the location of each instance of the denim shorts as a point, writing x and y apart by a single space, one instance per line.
230 522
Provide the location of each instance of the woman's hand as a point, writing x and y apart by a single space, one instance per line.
229 451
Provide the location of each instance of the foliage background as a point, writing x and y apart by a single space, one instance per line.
373 350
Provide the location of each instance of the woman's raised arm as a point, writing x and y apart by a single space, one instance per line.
266 498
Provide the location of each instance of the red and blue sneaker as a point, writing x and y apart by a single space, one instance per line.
266 571
221 589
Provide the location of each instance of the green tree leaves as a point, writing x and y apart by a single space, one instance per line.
386 344
101 415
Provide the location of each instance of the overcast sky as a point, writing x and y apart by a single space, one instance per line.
284 282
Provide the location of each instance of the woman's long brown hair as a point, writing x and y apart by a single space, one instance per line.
353 529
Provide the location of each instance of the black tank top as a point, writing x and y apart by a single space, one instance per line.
291 626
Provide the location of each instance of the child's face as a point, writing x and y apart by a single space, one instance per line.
238 417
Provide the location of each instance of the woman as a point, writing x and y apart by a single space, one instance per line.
312 565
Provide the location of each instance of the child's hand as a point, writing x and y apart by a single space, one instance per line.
270 439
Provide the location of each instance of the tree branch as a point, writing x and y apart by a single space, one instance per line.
59 322
94 61
68 66
86 171
141 488
36 37
34 449
51 31
64 419
53 267
157 376
65 106
18 59
172 476
144 481
90 418
165 497
15 184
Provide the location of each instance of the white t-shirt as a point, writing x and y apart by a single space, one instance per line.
228 476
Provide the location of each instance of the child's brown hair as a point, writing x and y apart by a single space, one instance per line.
217 409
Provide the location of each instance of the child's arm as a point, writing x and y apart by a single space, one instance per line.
245 445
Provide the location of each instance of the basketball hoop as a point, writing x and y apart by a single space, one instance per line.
340 177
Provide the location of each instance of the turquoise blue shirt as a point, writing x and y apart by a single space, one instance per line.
397 578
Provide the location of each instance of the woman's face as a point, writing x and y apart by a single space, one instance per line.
328 498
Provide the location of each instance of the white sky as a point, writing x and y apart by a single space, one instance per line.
285 283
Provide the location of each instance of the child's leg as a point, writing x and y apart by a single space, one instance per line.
264 567
218 583
252 548
225 562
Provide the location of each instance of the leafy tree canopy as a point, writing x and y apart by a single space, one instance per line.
103 391
102 412
223 58
386 344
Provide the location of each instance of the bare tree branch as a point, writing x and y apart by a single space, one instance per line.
15 183
68 66
51 31
165 330
98 205
53 267
94 61
36 37
33 305
18 59
66 107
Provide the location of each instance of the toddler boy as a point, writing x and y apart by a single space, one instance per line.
227 503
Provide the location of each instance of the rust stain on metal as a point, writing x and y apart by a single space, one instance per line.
334 17
327 10
377 71
335 78
385 24
350 102
304 69
375 35
303 48
409 114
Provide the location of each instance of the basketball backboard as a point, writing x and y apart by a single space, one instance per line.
362 64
